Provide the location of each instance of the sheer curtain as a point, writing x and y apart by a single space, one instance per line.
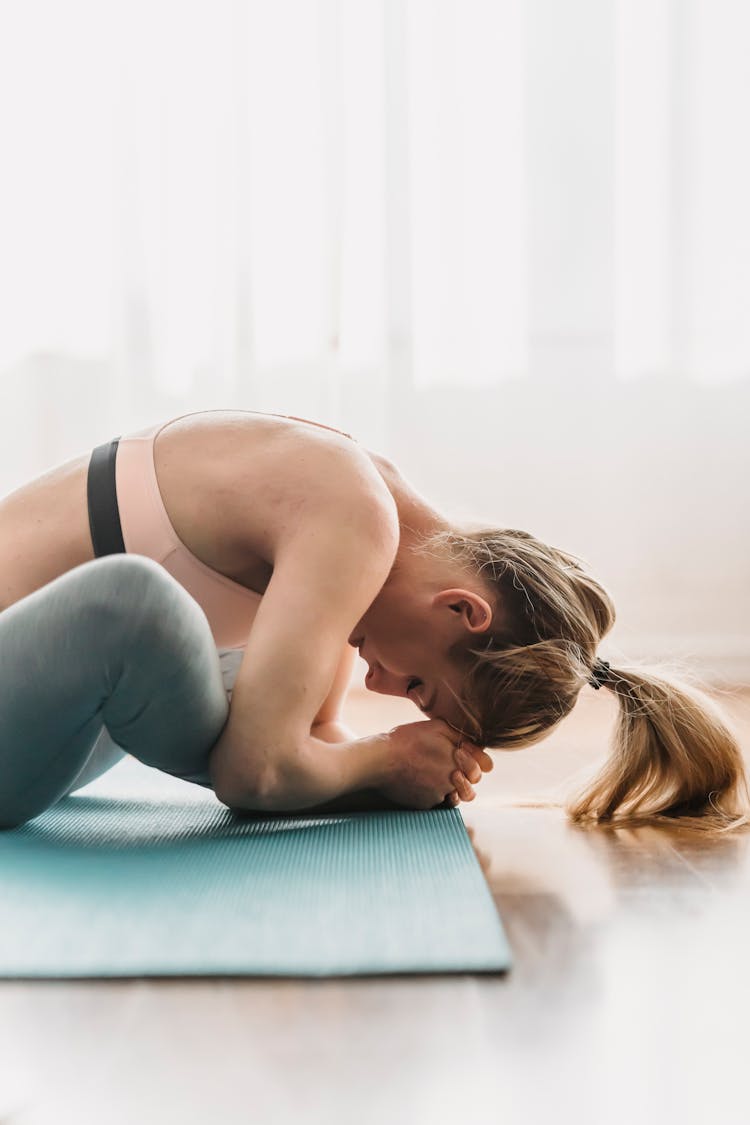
505 241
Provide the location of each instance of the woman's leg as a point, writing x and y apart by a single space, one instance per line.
104 754
116 641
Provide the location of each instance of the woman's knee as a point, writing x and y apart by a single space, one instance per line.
161 628
137 597
125 582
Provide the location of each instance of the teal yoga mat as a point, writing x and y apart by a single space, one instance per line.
100 887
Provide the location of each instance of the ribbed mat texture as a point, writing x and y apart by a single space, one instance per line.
98 887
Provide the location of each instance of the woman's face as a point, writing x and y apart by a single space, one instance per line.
406 640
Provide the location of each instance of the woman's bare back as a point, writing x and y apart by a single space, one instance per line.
232 483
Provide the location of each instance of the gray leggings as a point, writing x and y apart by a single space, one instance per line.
112 656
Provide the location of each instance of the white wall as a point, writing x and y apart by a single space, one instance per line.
646 481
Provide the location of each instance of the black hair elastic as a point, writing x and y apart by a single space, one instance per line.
600 674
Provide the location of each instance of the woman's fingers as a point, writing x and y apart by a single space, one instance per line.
463 787
480 756
470 768
477 752
485 761
468 765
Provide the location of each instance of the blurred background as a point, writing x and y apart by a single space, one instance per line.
504 242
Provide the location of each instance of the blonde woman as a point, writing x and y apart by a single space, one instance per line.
131 572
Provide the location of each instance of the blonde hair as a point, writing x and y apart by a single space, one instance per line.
674 757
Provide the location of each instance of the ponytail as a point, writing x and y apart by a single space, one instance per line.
675 758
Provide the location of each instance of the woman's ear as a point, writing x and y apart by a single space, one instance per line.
475 610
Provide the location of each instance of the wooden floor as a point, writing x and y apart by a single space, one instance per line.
627 1002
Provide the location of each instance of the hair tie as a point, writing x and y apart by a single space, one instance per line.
600 673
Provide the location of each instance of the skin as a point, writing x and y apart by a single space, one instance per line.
425 608
207 465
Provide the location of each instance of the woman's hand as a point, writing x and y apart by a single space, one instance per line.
473 762
425 767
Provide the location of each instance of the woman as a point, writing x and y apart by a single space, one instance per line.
287 542
125 570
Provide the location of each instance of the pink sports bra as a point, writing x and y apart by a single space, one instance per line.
147 530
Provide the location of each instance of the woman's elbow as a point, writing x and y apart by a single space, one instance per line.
242 788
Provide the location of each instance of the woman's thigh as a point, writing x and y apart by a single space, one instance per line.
105 754
115 642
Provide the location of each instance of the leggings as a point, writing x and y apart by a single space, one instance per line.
113 656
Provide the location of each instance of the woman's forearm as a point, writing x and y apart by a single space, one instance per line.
321 771
314 773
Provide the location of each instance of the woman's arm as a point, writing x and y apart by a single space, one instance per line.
414 765
360 800
327 572
330 709
333 731
363 800
313 773
325 577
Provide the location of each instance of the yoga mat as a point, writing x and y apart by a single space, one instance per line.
100 887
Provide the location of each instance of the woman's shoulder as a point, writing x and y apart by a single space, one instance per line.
354 484
273 477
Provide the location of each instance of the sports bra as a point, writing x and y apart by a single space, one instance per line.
294 418
263 413
132 490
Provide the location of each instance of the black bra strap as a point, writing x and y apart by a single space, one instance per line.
104 514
